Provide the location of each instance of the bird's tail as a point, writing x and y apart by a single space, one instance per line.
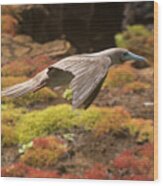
22 88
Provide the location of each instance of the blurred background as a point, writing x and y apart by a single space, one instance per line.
41 135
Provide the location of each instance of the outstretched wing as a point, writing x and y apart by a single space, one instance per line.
89 72
48 77
31 85
85 72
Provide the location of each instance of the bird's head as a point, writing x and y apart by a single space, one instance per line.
121 55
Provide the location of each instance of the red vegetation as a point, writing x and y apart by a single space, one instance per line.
136 163
49 142
9 25
98 171
15 170
22 170
132 164
27 67
45 152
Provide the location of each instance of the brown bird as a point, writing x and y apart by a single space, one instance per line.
85 73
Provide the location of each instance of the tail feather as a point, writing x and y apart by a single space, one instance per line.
22 88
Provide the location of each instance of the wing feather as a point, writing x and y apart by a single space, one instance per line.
89 72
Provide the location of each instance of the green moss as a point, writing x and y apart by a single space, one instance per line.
141 129
88 118
41 123
10 114
68 94
138 39
47 121
9 137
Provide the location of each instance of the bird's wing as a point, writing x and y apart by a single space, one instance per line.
85 72
33 84
48 77
89 72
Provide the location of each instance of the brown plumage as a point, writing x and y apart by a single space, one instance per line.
85 73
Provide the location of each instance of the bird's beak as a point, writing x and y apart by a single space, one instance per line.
132 56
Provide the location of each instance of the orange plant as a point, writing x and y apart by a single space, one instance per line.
9 25
45 152
120 75
113 120
134 163
135 87
27 67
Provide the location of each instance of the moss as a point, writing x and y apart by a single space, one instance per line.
119 76
11 80
41 123
138 39
11 115
67 94
118 121
43 96
9 137
47 121
45 152
88 118
141 129
113 119
63 118
135 87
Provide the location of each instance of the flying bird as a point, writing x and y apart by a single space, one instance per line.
85 74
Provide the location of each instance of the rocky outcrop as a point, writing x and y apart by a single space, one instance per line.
88 26
23 46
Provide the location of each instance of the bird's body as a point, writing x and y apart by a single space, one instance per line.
85 73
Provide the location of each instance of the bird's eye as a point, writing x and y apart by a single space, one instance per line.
125 54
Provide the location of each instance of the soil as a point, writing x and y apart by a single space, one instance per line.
9 155
87 149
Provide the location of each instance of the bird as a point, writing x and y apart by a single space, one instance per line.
84 73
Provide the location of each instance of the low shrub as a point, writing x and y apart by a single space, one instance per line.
10 114
113 120
99 120
44 152
9 25
134 164
138 39
135 87
15 170
118 121
27 67
44 122
61 117
47 121
120 75
22 170
141 129
9 137
98 171
88 118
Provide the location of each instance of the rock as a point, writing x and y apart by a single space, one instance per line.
23 47
89 26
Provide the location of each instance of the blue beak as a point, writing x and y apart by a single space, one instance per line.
132 56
